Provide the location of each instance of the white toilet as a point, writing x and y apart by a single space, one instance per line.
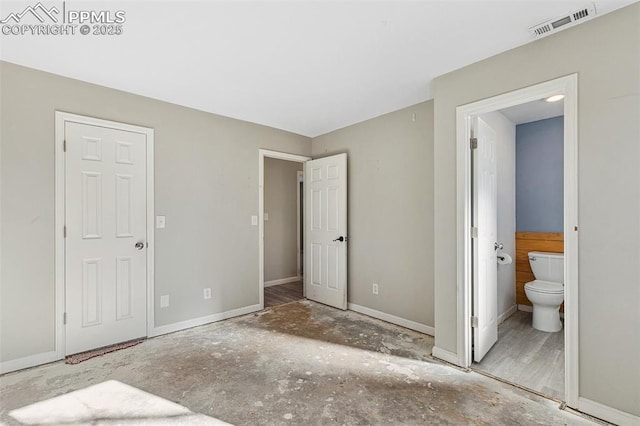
547 291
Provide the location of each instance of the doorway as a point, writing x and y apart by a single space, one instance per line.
470 317
269 161
104 233
282 236
528 217
324 229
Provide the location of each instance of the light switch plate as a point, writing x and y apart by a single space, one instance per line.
266 217
254 220
160 222
164 301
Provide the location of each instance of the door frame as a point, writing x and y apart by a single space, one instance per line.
568 86
61 118
262 154
299 180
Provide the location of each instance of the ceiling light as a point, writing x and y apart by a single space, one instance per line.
555 98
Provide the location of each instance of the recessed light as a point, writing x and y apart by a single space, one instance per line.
555 98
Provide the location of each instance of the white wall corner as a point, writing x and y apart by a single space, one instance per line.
607 413
412 325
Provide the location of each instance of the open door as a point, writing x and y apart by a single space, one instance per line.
325 241
485 220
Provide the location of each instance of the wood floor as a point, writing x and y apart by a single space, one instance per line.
528 357
283 293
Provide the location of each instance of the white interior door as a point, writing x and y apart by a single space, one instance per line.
485 213
325 192
105 217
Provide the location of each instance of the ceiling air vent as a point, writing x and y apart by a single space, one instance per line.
562 22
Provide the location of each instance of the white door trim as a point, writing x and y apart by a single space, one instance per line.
568 86
60 119
299 179
262 154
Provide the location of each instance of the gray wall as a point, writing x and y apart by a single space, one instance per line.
390 180
506 177
280 231
609 188
206 184
540 176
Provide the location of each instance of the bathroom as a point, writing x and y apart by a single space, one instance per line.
530 208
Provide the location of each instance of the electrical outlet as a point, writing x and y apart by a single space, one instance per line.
207 293
375 288
164 301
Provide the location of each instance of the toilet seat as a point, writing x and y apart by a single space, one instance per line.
545 287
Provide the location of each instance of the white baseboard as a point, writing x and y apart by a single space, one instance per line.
28 361
506 314
412 325
183 325
281 281
607 413
525 308
445 355
47 357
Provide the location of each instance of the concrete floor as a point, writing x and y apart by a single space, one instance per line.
296 363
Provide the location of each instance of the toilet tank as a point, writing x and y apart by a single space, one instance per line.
547 266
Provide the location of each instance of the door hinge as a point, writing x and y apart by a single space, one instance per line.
474 232
474 322
474 143
64 318
64 231
64 145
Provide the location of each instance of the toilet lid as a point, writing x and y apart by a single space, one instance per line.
544 287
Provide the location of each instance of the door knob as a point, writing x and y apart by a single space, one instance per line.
340 238
139 245
498 246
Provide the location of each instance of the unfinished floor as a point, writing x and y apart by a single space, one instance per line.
297 363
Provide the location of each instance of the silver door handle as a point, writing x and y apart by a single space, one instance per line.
139 245
498 246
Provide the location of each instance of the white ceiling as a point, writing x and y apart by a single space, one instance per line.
309 67
533 111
